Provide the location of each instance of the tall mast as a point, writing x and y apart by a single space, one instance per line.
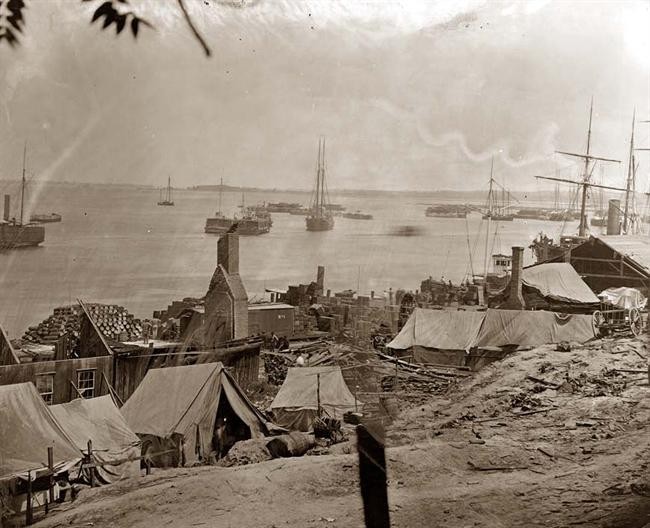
22 191
630 177
489 222
582 230
322 182
585 183
317 204
220 194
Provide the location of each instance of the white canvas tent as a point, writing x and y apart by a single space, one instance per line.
115 446
174 411
296 404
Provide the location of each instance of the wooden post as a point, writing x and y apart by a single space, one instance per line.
28 511
50 467
395 384
90 460
372 474
318 393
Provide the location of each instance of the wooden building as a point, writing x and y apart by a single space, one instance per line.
612 261
271 317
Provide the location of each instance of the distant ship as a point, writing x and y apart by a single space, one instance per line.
14 233
358 215
251 222
168 200
320 216
45 218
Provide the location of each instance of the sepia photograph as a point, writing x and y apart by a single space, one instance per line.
325 263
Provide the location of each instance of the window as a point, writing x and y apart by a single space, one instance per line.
45 387
86 383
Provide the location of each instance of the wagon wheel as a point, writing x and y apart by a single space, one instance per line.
598 319
636 323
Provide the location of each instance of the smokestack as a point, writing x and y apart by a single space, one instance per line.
7 210
515 296
614 218
228 252
320 280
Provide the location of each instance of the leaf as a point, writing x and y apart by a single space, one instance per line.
120 22
135 24
102 10
109 18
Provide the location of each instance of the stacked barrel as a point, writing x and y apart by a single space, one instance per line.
114 321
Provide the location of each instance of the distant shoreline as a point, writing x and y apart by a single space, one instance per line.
422 195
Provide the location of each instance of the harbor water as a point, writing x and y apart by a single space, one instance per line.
115 245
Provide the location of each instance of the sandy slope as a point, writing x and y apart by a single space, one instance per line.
584 462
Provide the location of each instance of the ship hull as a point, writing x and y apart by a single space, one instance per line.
315 223
45 218
19 236
244 227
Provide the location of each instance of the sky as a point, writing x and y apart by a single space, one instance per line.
410 95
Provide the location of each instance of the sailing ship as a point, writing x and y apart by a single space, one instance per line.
320 216
495 279
14 233
249 222
498 210
167 199
544 247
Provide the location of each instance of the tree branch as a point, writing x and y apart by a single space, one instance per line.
190 23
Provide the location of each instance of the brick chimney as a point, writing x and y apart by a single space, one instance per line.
228 252
320 280
226 302
7 210
515 299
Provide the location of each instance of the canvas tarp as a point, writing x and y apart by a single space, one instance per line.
180 404
439 329
115 446
27 429
296 404
624 297
559 281
532 328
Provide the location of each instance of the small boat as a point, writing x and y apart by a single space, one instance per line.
45 218
358 215
320 216
598 221
251 222
168 200
14 233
